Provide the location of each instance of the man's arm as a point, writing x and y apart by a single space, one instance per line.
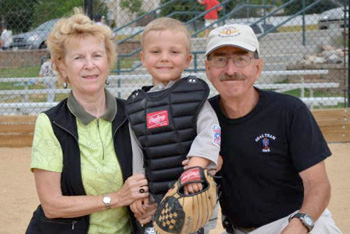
200 1
317 193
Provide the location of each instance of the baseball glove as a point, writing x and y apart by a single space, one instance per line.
183 214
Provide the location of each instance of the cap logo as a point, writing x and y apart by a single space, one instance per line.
229 31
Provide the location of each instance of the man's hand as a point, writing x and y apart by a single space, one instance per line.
218 166
295 226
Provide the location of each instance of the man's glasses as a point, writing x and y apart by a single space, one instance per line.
222 61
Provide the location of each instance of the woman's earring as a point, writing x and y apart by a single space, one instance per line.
65 85
106 82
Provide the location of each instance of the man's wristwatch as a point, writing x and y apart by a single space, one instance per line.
305 219
107 201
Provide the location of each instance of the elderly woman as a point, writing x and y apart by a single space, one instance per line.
81 157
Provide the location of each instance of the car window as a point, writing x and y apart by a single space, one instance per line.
336 13
46 26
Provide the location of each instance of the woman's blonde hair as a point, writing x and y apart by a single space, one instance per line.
166 23
77 26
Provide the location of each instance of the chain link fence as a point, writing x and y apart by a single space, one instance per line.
304 44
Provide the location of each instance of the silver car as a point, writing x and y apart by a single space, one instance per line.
333 18
34 39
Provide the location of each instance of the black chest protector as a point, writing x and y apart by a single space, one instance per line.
165 123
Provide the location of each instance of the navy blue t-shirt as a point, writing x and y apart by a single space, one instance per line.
263 153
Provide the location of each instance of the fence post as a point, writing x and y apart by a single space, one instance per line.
88 8
348 31
303 6
196 13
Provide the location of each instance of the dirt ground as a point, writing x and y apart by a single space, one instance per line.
18 197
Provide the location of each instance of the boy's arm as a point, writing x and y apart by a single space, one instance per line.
205 147
137 155
200 1
198 162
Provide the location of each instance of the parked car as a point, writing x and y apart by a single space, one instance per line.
34 39
332 18
261 28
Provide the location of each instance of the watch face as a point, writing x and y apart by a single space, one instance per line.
308 220
107 200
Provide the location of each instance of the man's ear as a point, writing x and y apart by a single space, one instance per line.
207 68
259 67
207 65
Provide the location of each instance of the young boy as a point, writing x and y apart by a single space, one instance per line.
46 70
171 121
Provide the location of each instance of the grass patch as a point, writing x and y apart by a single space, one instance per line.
125 63
297 28
32 71
297 93
122 37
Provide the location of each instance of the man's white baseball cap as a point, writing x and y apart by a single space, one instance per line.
237 35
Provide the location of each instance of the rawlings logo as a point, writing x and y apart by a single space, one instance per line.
157 119
190 175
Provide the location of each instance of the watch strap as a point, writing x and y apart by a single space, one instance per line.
107 202
302 216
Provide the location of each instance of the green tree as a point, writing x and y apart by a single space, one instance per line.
322 6
52 9
133 6
189 6
17 14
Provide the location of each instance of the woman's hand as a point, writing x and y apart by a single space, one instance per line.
134 188
147 216
140 206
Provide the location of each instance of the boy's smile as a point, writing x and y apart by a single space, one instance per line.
165 55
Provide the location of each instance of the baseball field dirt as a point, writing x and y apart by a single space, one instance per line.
18 197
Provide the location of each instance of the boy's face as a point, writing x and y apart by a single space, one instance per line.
165 55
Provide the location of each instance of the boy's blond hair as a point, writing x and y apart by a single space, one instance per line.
166 23
77 26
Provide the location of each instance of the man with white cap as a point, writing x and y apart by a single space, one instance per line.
273 176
